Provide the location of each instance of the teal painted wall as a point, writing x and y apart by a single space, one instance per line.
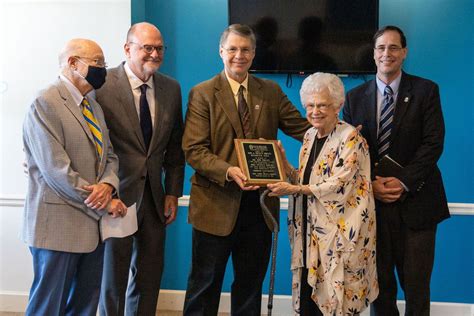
441 47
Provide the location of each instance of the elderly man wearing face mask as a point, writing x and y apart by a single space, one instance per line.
72 175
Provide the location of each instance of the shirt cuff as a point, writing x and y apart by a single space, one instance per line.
404 186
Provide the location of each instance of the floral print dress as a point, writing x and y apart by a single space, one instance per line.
340 241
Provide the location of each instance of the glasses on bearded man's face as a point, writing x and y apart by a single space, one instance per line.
149 49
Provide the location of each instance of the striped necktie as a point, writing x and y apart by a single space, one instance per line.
93 125
244 113
385 124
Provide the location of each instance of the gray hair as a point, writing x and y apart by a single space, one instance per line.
241 30
319 81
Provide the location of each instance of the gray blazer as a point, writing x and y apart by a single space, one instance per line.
164 158
62 158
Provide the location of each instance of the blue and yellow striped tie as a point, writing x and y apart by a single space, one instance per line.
93 125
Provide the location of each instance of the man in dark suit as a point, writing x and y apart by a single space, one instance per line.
226 215
142 108
401 117
72 173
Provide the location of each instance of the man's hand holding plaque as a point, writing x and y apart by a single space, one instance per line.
260 163
236 174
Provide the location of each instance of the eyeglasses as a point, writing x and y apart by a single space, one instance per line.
322 107
150 48
97 61
234 50
392 48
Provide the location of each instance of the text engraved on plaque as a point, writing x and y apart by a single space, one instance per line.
261 161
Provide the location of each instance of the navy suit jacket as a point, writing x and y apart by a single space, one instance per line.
416 143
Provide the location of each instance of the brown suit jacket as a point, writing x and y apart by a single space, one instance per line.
212 123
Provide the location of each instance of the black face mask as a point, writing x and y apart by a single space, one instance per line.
96 76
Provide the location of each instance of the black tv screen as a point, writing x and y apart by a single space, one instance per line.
306 36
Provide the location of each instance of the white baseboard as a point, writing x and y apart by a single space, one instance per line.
13 301
173 300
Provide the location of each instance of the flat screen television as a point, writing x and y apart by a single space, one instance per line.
306 36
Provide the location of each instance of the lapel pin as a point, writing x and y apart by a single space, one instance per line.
406 99
257 107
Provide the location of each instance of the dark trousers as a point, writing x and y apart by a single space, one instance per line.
307 306
411 253
249 244
141 255
65 283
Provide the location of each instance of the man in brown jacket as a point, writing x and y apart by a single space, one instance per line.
225 215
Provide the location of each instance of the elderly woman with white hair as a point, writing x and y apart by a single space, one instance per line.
331 219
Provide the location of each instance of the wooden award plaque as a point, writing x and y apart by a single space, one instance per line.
260 161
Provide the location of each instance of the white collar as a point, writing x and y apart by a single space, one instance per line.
77 96
136 82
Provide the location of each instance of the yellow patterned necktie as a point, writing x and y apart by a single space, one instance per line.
93 125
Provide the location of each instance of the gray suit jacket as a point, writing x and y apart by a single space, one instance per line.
62 157
164 156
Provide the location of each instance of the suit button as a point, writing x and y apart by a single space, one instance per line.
142 177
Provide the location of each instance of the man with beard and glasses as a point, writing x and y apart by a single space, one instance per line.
72 176
142 108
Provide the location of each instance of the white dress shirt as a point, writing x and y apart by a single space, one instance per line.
75 93
135 83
